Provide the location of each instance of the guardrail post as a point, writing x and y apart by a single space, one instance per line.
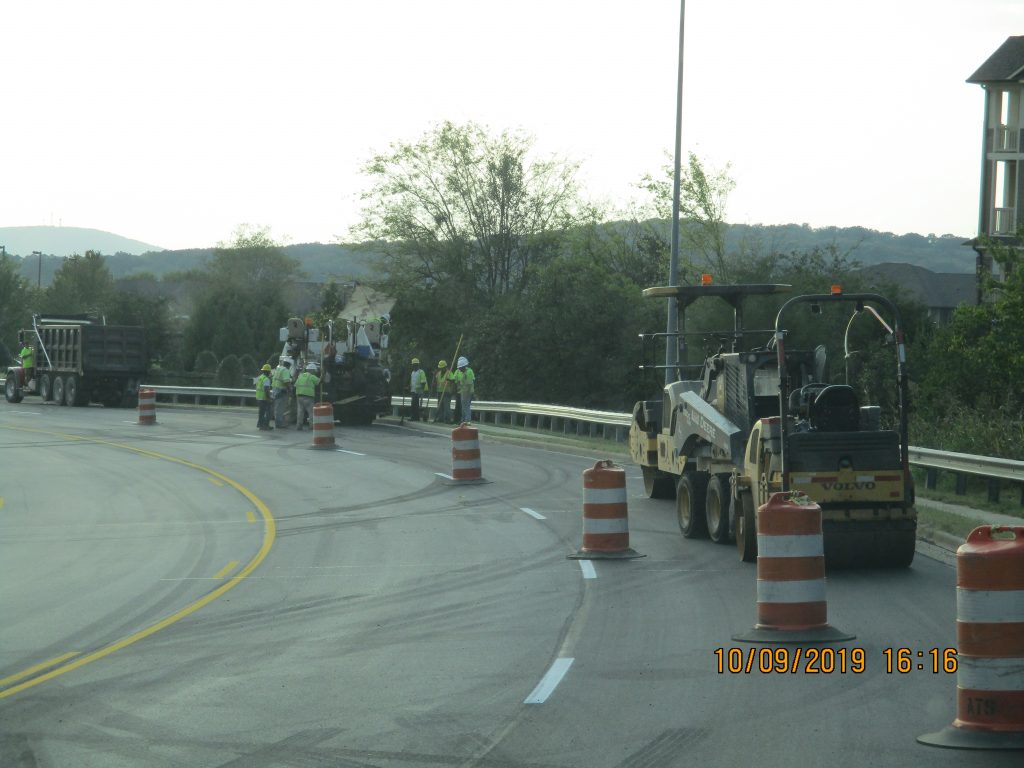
993 489
931 478
961 484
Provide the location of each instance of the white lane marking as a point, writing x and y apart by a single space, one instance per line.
353 453
588 569
26 413
239 434
531 513
549 682
446 477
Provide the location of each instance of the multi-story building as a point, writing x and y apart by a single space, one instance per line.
1001 209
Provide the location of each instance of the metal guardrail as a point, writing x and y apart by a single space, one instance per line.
985 466
612 425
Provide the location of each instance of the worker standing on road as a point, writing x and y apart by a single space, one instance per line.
282 380
305 391
263 401
465 381
28 357
417 386
444 393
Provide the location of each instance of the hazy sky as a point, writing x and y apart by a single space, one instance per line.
174 122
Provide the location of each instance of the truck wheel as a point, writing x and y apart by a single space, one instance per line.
716 508
58 390
45 388
73 391
658 485
745 524
690 500
11 391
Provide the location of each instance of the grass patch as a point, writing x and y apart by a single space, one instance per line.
976 496
950 522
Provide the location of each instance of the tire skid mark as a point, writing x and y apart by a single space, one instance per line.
103 652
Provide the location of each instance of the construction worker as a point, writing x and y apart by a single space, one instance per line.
305 391
444 393
417 386
281 381
465 383
263 401
28 357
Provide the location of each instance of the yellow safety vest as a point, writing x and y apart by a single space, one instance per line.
305 385
261 392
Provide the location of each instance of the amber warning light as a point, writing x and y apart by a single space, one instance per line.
836 290
705 279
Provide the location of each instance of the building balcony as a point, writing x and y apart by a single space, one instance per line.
1004 221
1006 138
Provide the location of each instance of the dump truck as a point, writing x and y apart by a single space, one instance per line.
351 356
754 419
79 360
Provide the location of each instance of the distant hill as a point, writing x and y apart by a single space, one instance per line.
939 253
65 241
320 262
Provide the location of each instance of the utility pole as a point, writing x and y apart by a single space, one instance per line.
672 328
39 270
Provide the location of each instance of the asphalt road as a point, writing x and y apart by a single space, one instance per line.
198 593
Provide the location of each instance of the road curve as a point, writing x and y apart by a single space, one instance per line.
379 616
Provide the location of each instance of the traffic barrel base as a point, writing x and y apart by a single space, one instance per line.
990 643
467 468
605 515
323 426
147 406
791 605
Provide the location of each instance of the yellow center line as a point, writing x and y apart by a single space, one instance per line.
216 482
269 533
1 502
226 569
4 681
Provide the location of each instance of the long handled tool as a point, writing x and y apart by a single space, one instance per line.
455 356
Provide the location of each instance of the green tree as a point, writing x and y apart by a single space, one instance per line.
460 205
16 299
570 339
703 200
978 359
239 307
82 285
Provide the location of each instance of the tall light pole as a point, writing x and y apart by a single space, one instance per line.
672 328
39 270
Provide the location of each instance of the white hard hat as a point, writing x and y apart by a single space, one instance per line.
311 367
463 362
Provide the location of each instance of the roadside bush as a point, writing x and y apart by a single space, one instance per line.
206 362
229 372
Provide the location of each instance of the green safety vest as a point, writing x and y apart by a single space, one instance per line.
261 391
305 385
282 377
27 356
465 381
418 382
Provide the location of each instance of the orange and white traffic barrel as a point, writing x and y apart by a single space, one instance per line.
147 406
791 604
990 643
466 464
605 514
323 425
